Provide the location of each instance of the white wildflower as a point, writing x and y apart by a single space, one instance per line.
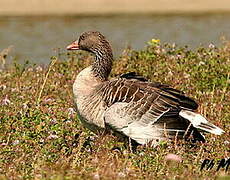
16 142
201 63
52 136
211 46
71 111
121 174
39 68
6 101
96 176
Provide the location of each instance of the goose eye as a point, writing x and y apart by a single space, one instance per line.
82 38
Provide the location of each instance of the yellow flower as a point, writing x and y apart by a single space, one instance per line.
156 41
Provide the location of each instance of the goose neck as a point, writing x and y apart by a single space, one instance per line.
102 64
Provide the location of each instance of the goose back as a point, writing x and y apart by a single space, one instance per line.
144 110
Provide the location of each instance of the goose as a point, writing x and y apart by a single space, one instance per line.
130 105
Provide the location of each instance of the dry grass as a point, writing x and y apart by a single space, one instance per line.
3 55
45 140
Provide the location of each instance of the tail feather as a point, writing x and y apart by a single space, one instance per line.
200 122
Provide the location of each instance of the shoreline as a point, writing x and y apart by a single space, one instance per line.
171 13
108 15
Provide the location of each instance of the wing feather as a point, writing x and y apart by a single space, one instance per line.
136 107
145 102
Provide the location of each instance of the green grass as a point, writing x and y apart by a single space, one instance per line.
41 137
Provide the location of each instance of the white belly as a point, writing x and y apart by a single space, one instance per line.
90 107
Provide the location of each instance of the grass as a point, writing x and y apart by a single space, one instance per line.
41 137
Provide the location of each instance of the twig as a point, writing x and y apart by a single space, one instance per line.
225 88
44 82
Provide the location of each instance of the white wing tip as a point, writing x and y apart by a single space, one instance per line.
200 122
217 131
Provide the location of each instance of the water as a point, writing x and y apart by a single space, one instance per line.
37 38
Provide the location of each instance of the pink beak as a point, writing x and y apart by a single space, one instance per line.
73 46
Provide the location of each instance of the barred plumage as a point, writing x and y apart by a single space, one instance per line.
144 111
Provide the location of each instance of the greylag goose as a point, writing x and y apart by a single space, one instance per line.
130 105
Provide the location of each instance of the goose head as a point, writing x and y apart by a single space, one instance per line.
96 43
91 41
